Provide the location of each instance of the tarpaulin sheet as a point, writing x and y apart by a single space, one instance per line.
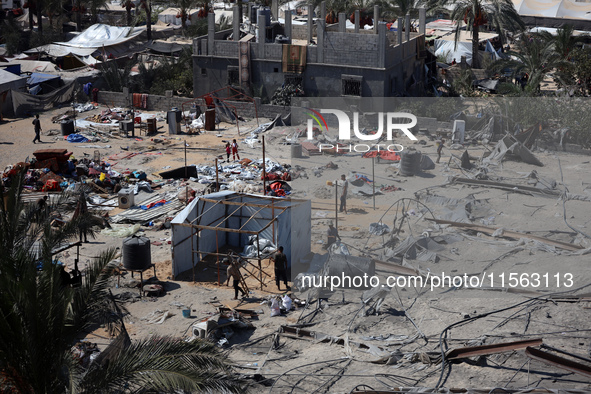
100 35
30 66
37 78
166 47
10 81
24 103
56 50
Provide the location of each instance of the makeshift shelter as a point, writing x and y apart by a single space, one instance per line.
230 219
99 38
172 16
9 81
447 46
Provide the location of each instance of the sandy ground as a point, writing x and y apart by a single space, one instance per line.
412 318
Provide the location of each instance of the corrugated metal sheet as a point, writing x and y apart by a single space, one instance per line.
136 214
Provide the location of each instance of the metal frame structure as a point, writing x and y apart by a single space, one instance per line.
231 208
239 101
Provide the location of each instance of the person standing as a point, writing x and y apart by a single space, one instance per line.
280 260
344 194
37 124
82 211
235 150
228 151
439 150
332 234
234 273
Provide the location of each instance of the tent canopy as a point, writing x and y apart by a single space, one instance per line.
100 35
554 9
9 81
37 78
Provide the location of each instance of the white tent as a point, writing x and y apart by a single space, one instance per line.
229 219
554 9
446 45
12 81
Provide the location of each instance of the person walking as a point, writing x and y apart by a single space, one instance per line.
234 273
280 260
228 151
37 124
235 150
344 194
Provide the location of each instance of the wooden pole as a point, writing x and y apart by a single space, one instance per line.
217 176
260 262
264 170
373 183
336 204
187 177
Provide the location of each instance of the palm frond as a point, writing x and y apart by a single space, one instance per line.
163 364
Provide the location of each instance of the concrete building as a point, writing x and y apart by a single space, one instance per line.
336 61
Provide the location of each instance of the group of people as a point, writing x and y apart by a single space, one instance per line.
280 266
232 148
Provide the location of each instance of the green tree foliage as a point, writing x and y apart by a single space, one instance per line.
535 57
501 14
41 319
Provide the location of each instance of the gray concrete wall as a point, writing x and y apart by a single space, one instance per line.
155 103
360 50
162 103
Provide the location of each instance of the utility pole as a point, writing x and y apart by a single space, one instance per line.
217 176
373 181
264 170
336 204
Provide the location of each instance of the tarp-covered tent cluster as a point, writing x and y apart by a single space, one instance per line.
230 219
98 39
446 46
8 82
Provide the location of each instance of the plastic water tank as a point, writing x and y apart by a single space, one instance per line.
253 14
265 13
67 127
136 253
410 161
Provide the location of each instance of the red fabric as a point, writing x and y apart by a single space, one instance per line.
271 177
383 154
51 185
286 176
275 186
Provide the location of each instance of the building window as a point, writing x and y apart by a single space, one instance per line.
233 76
351 85
203 71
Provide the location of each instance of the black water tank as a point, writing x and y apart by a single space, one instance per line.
67 127
136 253
410 161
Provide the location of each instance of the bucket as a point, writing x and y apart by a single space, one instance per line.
187 313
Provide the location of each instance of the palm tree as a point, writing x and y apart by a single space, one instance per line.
128 5
41 317
500 14
145 4
184 6
564 42
53 8
95 6
534 58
